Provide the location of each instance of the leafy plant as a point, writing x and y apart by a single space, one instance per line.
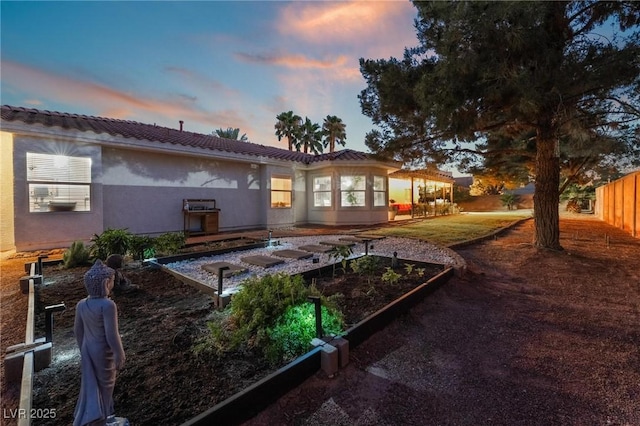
217 341
420 271
509 199
149 253
111 241
409 268
76 255
291 336
169 243
391 276
365 265
340 254
261 301
256 317
139 245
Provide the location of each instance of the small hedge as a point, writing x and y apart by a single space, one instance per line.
263 316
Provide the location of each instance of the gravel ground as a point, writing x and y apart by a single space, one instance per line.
407 249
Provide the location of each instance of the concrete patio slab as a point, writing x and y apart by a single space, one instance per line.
338 243
293 254
215 267
316 248
371 237
353 239
264 261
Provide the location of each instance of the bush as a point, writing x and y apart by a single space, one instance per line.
76 255
365 265
169 243
391 276
509 200
111 241
255 316
261 301
140 245
294 330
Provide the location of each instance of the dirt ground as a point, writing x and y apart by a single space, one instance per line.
159 324
526 337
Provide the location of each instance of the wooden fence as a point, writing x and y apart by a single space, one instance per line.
618 203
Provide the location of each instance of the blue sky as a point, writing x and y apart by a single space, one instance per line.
213 64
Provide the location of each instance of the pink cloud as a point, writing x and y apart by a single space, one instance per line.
352 22
115 103
292 60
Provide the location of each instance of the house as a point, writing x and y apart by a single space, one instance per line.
66 177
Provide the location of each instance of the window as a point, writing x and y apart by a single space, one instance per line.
322 191
58 183
379 191
281 192
352 191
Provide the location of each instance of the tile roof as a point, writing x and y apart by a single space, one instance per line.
154 133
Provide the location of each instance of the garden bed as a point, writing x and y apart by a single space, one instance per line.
164 381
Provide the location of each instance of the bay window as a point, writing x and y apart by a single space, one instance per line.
322 191
352 190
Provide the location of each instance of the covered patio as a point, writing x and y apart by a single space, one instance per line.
421 193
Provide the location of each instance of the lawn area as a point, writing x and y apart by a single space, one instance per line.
446 230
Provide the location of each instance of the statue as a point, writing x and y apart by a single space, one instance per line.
102 354
121 283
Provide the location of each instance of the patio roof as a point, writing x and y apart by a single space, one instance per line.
430 174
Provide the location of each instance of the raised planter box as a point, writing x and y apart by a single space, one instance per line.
249 402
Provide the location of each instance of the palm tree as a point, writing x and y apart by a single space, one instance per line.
333 130
288 126
231 133
311 136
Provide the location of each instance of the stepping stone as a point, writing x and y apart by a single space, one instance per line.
316 248
371 237
264 261
293 254
338 243
353 239
214 268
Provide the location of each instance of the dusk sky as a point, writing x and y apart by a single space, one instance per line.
213 64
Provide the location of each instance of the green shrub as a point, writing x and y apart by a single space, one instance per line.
139 246
294 330
217 341
111 241
76 255
253 316
365 265
149 253
169 243
261 301
509 200
391 276
409 268
340 254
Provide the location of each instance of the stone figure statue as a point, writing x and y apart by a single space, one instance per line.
102 354
121 283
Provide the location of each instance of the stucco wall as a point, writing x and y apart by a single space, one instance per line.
618 203
44 230
7 241
143 191
283 217
136 188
